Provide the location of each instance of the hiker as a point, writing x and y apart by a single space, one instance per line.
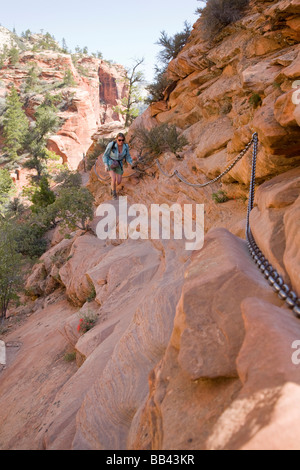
113 158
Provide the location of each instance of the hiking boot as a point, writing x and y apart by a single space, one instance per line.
114 194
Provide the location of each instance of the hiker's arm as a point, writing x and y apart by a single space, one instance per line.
106 156
128 157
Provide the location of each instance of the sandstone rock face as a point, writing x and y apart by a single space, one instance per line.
112 90
198 377
35 371
121 346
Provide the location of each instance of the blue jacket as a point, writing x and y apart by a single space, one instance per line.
110 155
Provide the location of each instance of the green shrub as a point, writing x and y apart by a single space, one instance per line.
255 100
86 322
68 79
172 45
92 294
98 151
70 357
219 13
13 55
220 196
160 139
29 239
6 187
158 87
73 207
82 70
15 207
43 195
68 179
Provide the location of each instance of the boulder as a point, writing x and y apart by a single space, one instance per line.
199 386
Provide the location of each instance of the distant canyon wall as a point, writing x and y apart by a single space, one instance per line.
98 87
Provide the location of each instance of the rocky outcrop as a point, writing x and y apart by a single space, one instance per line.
7 39
113 90
244 80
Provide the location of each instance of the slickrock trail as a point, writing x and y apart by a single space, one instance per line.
191 350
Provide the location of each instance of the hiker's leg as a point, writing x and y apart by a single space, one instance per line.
119 179
113 180
113 184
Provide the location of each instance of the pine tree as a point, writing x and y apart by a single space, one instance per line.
10 267
32 79
15 125
6 187
43 195
64 46
133 80
46 122
13 55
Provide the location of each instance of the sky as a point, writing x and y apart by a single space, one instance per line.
122 30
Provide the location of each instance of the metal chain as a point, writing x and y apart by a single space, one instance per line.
98 176
271 274
228 169
163 172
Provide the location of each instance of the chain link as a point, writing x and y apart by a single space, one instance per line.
271 274
162 171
